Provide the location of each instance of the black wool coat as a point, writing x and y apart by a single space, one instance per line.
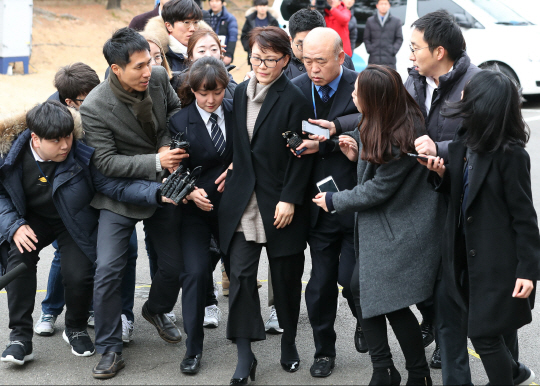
501 236
383 42
268 167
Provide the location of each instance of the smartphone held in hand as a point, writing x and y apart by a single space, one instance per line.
310 128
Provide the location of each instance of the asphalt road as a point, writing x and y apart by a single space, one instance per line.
149 360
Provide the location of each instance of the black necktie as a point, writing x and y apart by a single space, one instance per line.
325 90
217 136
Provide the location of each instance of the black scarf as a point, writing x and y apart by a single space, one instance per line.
141 102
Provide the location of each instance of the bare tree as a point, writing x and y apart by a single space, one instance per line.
113 4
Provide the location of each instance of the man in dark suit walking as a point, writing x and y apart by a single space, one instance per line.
328 85
125 120
382 36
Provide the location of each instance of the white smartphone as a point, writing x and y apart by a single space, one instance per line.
222 39
315 129
327 185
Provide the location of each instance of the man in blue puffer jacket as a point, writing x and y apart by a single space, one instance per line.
47 182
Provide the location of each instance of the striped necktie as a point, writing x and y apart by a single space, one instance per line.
217 135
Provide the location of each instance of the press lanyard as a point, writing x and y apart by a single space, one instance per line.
313 99
43 174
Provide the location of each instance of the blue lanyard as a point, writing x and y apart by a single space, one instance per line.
313 99
43 174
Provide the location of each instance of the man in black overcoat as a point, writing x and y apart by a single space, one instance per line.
328 87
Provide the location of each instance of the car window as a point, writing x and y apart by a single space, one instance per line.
463 18
500 12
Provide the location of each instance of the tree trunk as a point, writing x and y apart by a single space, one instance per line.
113 4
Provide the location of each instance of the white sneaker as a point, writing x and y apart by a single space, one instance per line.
127 329
216 289
171 316
91 320
212 316
45 325
272 324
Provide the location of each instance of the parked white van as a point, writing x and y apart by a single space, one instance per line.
494 33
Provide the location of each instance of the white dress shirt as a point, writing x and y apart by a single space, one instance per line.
205 115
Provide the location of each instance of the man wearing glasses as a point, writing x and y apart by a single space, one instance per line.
300 23
182 18
441 69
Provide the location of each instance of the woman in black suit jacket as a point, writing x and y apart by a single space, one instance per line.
491 247
263 202
207 125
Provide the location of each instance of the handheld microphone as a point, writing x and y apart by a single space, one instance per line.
12 275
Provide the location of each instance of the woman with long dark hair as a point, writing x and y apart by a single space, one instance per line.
263 201
396 222
206 122
491 248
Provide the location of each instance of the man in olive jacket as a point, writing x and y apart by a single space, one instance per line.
383 36
125 120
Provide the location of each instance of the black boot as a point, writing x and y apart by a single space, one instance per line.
385 376
426 381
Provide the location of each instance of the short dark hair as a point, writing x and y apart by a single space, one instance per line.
305 20
260 2
441 29
271 38
491 113
50 120
206 73
74 80
180 10
123 43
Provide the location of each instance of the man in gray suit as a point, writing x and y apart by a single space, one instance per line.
125 120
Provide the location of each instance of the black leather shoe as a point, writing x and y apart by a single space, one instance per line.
191 364
165 328
360 340
427 333
435 362
109 365
244 381
291 367
322 367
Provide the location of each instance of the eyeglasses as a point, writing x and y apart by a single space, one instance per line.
157 60
189 23
268 63
79 100
414 50
300 46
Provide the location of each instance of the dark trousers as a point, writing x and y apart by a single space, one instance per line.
113 239
245 319
407 331
496 358
199 263
54 302
152 260
333 260
78 274
451 325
